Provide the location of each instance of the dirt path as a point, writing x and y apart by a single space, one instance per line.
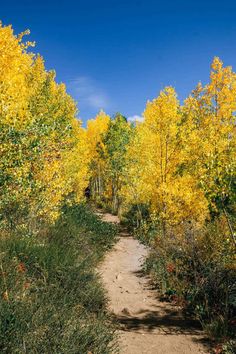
146 324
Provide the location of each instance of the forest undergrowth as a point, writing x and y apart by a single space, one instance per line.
53 300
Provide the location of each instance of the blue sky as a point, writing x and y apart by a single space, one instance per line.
116 55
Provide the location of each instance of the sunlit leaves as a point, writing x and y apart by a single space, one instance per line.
41 138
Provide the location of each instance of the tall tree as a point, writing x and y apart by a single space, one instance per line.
96 129
116 141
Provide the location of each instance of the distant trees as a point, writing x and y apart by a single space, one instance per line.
96 129
116 141
108 139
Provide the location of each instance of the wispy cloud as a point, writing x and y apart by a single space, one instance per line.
135 118
88 93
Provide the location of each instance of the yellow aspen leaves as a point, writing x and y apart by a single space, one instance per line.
157 147
43 150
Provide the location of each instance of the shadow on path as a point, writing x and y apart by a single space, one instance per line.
156 323
169 323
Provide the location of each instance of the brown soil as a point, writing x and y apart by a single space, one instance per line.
146 324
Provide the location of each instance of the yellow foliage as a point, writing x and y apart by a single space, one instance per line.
155 157
95 130
43 153
210 139
15 65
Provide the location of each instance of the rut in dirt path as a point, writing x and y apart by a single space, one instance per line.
146 325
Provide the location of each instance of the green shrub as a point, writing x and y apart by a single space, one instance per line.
135 216
197 270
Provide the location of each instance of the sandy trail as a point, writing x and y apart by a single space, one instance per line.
146 324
